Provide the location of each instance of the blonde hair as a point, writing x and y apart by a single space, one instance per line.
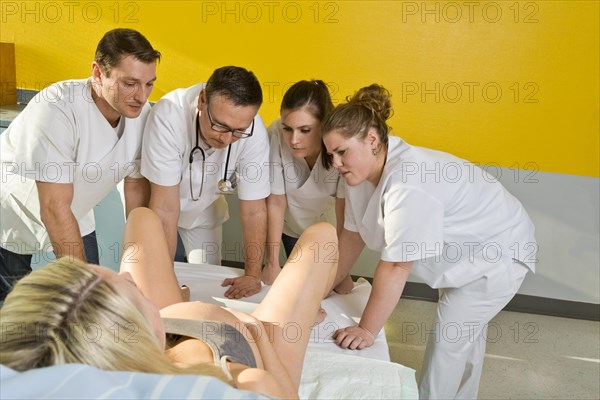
370 107
66 313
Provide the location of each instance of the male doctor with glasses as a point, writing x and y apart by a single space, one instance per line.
203 142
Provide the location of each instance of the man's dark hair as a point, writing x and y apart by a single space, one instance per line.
236 84
121 42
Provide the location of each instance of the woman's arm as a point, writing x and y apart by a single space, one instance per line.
276 204
350 247
340 205
261 381
388 284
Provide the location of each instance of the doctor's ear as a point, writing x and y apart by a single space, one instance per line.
96 72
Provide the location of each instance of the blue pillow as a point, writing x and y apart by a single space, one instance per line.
78 381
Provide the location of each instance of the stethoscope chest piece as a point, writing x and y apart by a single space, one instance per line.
226 186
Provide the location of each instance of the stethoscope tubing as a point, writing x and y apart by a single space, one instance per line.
223 183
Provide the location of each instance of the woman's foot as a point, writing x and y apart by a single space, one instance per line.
321 314
185 293
345 286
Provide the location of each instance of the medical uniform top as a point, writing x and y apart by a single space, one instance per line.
169 138
449 216
310 193
61 136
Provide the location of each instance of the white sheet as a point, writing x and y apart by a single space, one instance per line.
329 371
342 310
340 376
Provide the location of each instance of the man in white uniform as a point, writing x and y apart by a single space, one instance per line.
203 142
71 145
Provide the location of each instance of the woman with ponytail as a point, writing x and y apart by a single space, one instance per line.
433 214
305 188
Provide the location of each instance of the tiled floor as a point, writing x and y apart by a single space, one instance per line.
527 357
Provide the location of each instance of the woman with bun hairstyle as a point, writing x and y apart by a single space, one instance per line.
305 188
433 214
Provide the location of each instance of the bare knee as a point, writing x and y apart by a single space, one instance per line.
318 241
321 231
142 213
142 222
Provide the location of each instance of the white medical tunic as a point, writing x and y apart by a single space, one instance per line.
310 193
453 219
62 137
169 138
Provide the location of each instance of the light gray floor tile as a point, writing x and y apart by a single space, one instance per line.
527 356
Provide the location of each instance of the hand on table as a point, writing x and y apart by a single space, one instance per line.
353 338
242 286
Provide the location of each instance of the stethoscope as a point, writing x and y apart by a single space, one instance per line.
225 185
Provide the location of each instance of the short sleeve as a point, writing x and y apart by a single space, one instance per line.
136 170
275 160
413 224
48 142
252 171
163 144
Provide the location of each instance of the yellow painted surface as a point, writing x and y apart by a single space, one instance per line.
510 83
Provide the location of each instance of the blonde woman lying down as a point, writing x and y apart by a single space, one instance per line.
136 320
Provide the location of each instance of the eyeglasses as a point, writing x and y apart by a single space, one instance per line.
238 133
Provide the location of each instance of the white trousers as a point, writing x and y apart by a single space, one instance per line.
455 352
202 246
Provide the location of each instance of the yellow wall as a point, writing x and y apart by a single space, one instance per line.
443 61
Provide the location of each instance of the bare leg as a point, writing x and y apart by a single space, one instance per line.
292 303
146 258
